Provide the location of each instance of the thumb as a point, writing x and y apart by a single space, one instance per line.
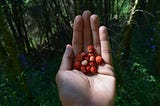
67 59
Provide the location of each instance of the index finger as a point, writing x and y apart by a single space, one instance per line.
77 42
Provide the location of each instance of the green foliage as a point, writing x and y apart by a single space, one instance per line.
139 88
138 84
40 78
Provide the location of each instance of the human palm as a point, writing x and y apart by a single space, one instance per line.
76 88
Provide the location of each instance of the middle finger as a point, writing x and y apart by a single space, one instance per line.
87 38
95 33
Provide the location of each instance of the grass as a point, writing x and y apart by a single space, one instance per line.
40 76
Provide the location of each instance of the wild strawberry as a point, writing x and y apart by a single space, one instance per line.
93 70
99 60
79 57
90 54
86 58
90 49
77 65
88 68
83 54
92 58
84 62
92 64
88 62
83 69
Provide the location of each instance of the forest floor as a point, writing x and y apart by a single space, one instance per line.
40 73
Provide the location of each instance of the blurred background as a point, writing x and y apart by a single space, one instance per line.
33 35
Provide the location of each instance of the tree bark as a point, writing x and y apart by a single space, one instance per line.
13 66
124 50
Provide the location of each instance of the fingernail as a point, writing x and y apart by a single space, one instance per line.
68 50
68 46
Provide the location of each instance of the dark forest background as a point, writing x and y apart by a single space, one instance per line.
33 34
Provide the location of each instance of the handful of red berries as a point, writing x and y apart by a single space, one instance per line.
88 62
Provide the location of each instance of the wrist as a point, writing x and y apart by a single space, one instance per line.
89 104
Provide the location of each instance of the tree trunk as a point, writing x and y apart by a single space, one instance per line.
25 34
18 26
126 36
14 69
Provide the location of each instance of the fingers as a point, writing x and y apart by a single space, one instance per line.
87 37
105 46
86 32
67 59
77 42
95 33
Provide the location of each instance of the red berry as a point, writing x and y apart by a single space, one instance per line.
79 57
83 69
92 58
99 60
90 54
77 65
83 54
88 68
86 58
84 62
92 64
93 69
90 49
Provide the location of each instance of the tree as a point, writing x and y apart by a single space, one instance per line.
14 70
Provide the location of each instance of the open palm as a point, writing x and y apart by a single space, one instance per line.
76 88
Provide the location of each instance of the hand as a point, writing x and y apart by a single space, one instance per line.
76 88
